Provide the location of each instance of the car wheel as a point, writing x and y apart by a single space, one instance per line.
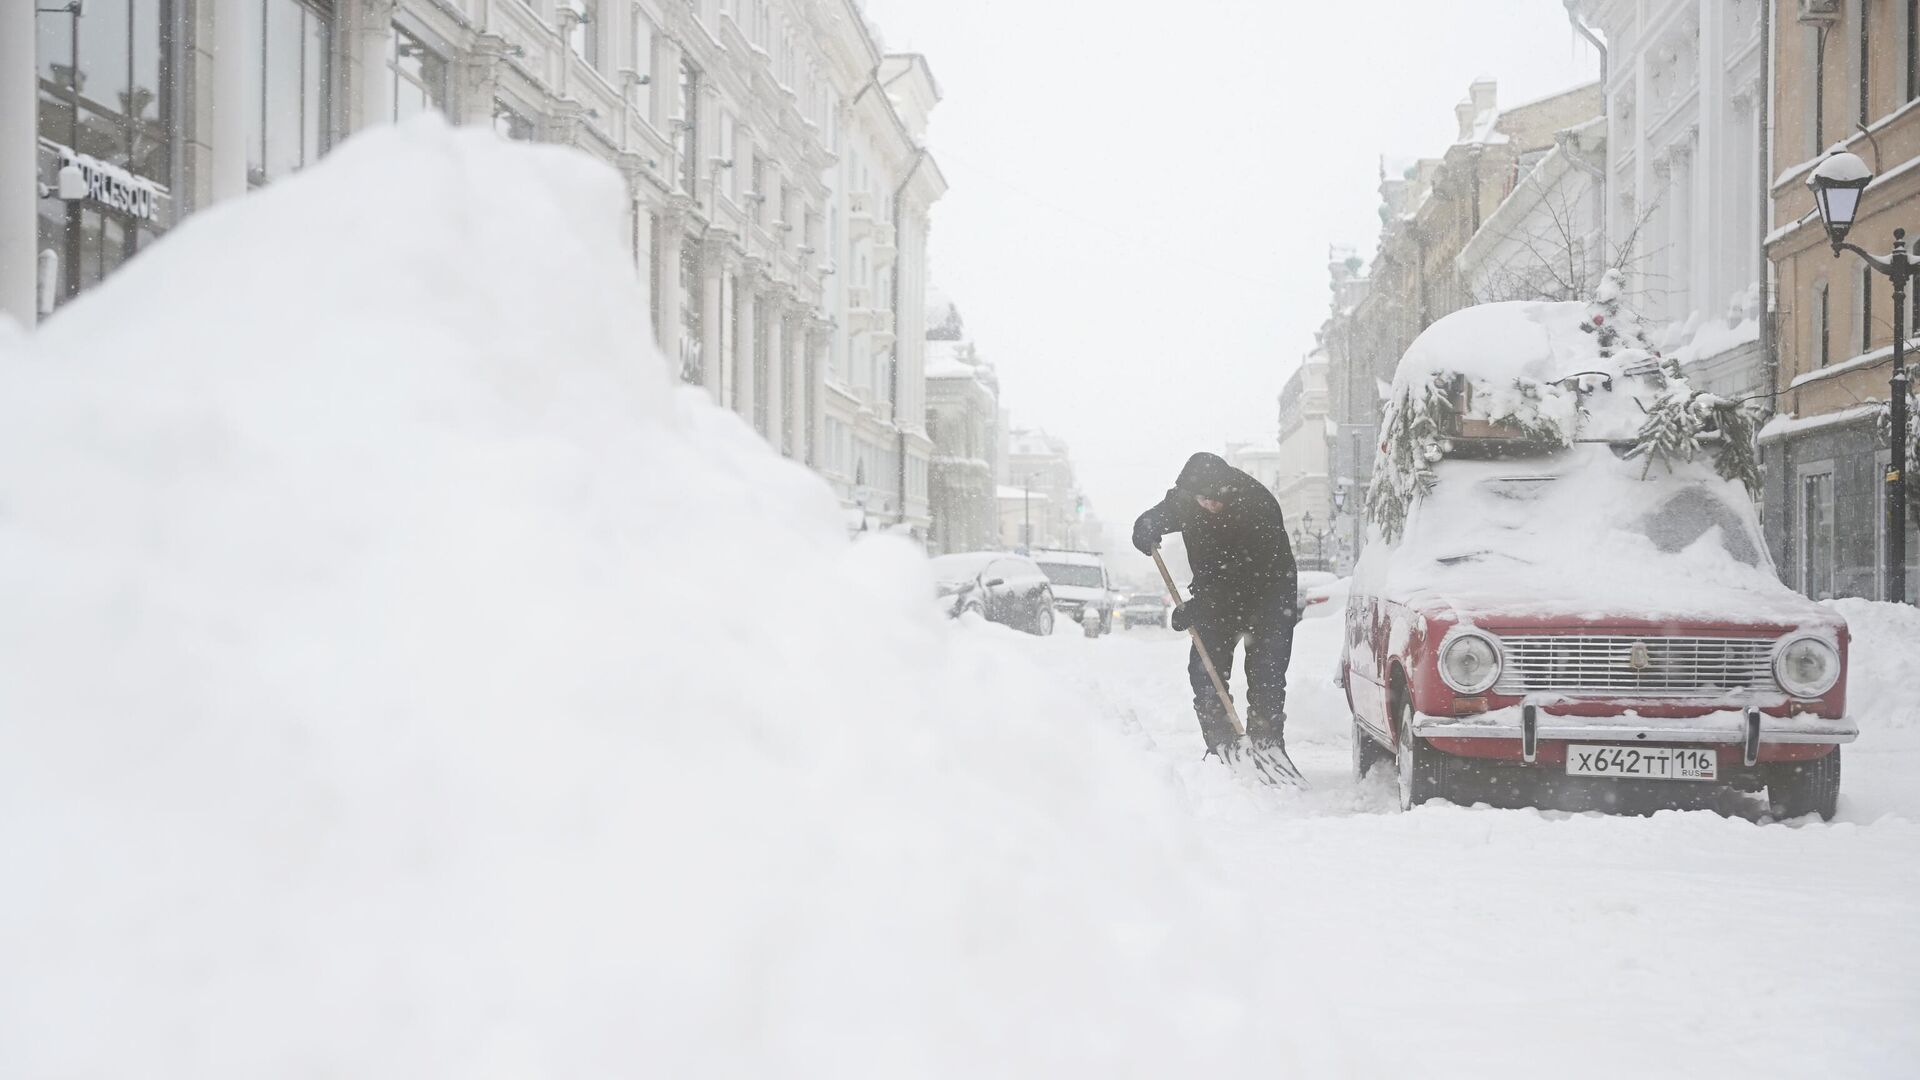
1798 788
1043 620
1366 752
1421 768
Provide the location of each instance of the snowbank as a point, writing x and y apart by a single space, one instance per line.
1883 664
399 677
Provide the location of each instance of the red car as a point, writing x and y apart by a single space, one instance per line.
1558 606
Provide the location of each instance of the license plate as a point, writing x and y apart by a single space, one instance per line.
1643 762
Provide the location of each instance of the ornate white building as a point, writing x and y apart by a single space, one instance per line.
775 156
1683 180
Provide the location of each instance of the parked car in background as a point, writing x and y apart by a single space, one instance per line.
1080 582
999 587
1547 611
1316 588
1146 609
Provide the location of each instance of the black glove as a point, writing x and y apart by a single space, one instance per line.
1185 615
1144 538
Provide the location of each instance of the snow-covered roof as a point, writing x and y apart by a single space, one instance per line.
944 361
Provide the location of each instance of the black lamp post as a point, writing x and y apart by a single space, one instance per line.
1837 183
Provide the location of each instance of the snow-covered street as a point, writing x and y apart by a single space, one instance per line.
1685 943
437 690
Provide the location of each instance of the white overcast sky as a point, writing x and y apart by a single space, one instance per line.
1142 193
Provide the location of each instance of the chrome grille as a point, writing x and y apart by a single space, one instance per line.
1602 664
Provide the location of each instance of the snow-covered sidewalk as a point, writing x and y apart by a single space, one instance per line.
1460 941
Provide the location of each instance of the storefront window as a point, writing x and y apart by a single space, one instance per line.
419 76
124 109
104 79
287 127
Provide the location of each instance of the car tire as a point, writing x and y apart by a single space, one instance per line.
1798 788
1420 768
1366 752
1043 621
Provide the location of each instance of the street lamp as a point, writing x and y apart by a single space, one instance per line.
1837 183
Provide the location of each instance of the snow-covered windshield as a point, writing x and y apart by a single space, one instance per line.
1587 529
1087 577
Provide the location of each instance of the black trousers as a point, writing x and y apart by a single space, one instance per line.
1267 633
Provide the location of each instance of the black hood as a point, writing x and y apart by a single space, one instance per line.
1210 476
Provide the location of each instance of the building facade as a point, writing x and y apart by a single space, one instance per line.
1303 485
775 157
1039 494
1683 183
963 419
1839 67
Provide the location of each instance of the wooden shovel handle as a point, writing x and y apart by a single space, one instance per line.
1219 684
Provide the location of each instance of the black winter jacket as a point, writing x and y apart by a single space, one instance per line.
1240 556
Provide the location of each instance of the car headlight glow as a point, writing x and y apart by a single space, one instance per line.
1806 666
1470 662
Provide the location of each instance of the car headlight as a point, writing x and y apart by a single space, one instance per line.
1470 662
1806 667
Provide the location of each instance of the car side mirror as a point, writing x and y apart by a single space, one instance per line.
994 582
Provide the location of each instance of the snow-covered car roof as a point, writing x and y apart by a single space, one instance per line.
966 565
1067 558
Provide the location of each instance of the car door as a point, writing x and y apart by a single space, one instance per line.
1004 574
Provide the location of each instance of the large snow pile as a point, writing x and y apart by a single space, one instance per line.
1883 664
399 678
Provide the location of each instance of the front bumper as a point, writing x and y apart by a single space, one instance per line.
1723 726
1529 734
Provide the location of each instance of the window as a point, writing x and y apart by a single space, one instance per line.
111 103
1816 533
687 128
641 84
1820 327
288 108
419 76
726 155
121 88
586 40
759 192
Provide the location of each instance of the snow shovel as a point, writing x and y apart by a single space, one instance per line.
1273 766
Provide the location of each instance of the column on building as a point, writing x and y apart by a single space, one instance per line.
774 310
372 44
746 333
820 354
479 80
670 239
232 20
713 266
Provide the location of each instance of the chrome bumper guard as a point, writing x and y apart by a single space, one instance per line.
1528 724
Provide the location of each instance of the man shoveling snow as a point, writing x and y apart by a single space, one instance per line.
1244 589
